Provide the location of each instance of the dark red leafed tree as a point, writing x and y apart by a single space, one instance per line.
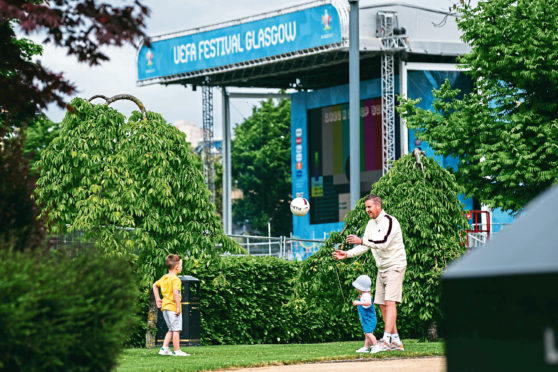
81 27
27 87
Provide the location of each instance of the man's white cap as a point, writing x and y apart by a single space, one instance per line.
363 283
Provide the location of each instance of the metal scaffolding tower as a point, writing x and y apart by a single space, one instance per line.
393 40
207 153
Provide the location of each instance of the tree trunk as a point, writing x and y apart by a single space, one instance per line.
151 332
432 332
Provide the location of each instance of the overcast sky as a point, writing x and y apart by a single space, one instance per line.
118 75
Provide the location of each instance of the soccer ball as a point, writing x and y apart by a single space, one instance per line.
300 206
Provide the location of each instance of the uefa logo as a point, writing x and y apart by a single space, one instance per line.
149 57
326 19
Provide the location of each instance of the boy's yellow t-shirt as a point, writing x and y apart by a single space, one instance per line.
168 283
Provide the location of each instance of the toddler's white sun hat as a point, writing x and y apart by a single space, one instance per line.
363 283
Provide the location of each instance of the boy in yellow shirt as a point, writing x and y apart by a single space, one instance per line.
170 305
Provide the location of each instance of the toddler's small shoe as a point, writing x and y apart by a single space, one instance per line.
363 350
179 353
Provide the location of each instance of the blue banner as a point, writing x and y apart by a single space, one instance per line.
268 37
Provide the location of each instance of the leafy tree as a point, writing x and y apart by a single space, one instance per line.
425 203
18 213
505 132
104 174
27 87
218 166
261 166
132 185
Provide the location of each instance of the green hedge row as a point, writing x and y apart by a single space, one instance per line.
64 311
251 300
75 311
246 301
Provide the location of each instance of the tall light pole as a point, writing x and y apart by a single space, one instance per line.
354 103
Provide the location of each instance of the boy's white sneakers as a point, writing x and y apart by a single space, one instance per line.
164 351
179 353
363 350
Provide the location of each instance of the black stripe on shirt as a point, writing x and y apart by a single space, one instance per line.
387 234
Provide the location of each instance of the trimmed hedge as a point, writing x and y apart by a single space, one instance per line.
63 310
246 301
251 300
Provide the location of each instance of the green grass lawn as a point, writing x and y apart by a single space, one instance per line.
207 358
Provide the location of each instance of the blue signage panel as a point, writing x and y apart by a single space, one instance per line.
268 37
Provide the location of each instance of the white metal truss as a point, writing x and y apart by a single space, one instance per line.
388 117
393 41
207 153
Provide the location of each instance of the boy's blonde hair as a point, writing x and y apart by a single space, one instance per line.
172 261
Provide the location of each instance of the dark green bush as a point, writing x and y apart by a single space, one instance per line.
64 310
245 301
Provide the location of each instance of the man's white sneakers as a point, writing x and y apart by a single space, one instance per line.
384 346
373 350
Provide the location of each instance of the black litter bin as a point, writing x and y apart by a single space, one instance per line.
191 328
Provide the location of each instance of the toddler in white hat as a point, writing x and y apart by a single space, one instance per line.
366 313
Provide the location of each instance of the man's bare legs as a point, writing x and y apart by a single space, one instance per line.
389 313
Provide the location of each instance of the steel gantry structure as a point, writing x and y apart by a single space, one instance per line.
207 153
394 40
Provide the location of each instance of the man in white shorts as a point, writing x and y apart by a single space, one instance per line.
384 238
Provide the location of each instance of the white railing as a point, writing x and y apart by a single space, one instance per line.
288 248
478 239
283 247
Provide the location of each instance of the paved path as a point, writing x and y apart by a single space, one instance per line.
428 364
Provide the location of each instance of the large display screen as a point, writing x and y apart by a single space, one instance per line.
329 160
